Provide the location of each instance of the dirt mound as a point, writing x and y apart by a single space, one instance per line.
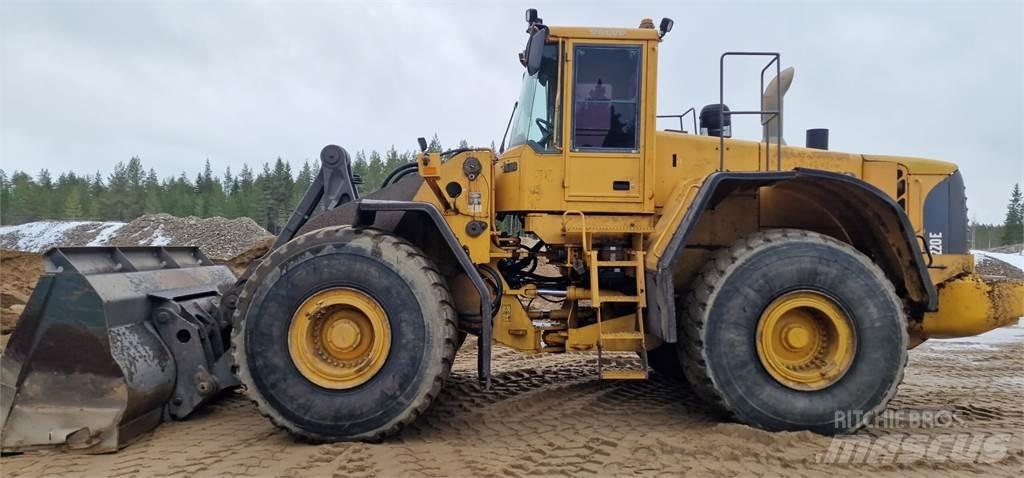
1009 249
18 274
219 238
239 263
990 266
42 235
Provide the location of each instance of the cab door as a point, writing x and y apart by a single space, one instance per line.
605 118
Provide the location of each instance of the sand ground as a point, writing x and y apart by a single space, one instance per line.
959 412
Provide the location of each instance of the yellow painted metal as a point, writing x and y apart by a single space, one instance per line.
585 338
970 305
587 183
604 33
882 175
948 266
917 165
562 229
626 374
339 338
513 327
805 341
474 203
566 199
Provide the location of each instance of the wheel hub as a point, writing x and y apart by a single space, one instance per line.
342 336
339 338
805 341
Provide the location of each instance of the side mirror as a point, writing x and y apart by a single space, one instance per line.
535 50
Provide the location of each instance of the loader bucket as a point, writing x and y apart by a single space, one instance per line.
111 342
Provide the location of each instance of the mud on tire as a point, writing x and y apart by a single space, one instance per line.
422 326
718 327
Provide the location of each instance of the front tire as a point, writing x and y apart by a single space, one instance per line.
793 330
344 334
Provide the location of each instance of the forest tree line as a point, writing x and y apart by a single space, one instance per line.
267 194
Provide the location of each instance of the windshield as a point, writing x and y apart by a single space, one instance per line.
536 121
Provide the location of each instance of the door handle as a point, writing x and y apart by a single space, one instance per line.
620 185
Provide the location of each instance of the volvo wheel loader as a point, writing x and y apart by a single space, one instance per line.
784 283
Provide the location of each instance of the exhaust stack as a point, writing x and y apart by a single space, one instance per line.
769 102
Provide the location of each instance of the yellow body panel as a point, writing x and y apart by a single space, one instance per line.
971 306
474 203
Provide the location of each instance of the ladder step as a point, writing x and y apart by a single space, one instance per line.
617 264
623 374
631 335
620 298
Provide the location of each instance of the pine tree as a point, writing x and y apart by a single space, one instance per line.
73 205
136 190
435 145
23 198
47 206
5 199
392 160
361 169
374 172
302 182
243 201
1013 226
152 203
95 197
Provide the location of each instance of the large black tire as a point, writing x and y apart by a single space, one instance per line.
664 359
422 323
718 326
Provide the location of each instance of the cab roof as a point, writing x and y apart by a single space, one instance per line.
604 33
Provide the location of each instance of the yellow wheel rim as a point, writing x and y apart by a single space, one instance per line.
805 341
339 338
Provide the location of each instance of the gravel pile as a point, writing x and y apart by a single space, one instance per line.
991 266
219 238
42 235
1010 249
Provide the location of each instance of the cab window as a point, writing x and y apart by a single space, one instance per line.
536 122
606 97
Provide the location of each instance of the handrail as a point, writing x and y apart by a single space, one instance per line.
775 115
692 111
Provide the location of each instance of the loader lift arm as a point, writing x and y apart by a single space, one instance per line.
333 186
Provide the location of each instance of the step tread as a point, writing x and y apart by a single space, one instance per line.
620 298
622 335
615 374
617 264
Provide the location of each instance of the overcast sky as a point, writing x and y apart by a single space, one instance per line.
85 84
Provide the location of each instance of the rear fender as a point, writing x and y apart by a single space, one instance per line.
870 219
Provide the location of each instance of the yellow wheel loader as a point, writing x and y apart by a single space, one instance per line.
784 283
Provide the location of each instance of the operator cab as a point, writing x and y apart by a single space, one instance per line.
589 148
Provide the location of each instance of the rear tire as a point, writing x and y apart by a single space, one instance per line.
664 359
721 333
421 334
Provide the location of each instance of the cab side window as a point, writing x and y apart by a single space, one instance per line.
606 98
